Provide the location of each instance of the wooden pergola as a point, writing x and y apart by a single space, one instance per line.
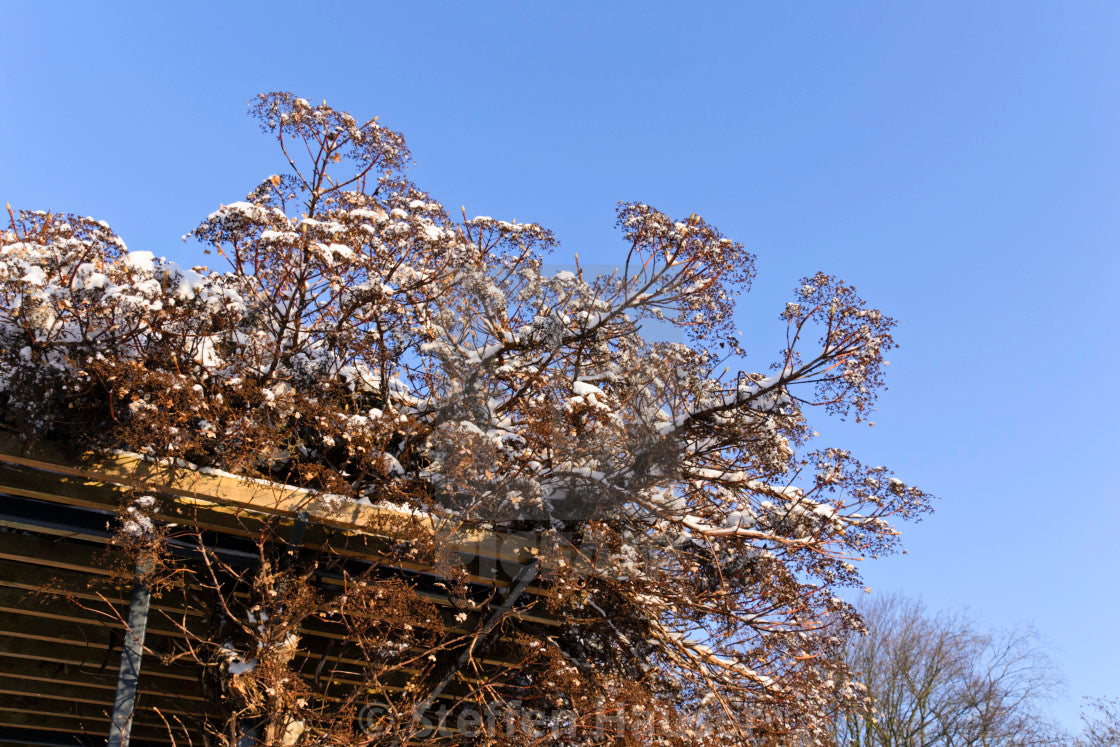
66 671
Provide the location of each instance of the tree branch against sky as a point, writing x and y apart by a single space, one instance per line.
938 680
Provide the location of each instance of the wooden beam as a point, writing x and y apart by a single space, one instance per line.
216 488
53 487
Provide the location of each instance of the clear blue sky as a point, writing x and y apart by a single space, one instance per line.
958 162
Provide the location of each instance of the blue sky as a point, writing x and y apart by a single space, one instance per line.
957 162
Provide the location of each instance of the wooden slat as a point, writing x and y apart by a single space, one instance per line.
51 619
51 607
54 690
43 665
91 658
38 676
44 740
35 614
33 578
103 644
69 556
42 657
90 634
33 670
56 553
30 713
26 589
98 635
59 488
10 716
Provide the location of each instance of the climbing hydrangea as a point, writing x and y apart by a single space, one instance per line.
359 339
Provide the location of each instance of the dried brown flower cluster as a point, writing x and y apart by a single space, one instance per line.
364 342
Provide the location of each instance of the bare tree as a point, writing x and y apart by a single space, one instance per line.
1101 719
936 680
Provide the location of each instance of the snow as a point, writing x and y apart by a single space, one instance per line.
139 526
583 389
141 261
35 276
280 236
237 668
136 523
392 466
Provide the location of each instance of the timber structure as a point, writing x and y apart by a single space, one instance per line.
70 675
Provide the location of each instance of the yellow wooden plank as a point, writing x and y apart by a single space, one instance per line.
213 487
55 488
